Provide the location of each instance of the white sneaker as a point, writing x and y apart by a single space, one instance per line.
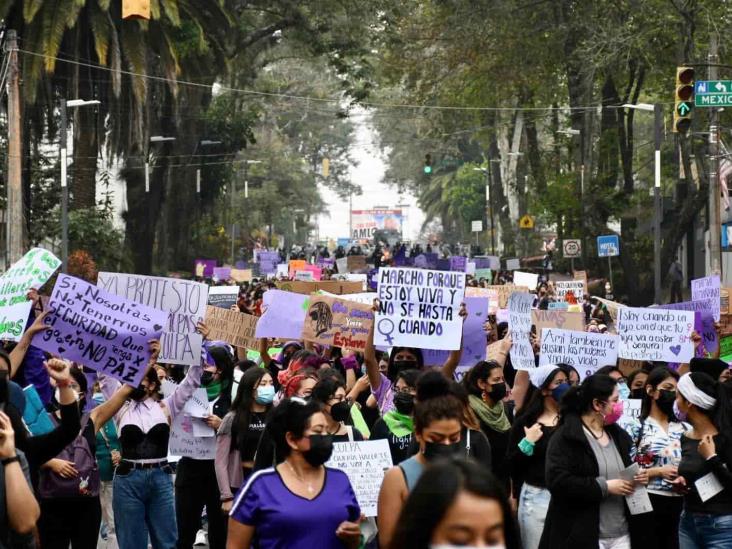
201 538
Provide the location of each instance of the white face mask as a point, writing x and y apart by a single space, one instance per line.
451 546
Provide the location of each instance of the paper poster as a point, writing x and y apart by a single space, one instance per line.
365 463
304 276
503 290
221 274
316 271
703 321
576 287
99 329
184 443
474 337
13 319
197 405
612 307
557 319
352 277
458 263
486 274
708 287
419 308
530 280
557 306
185 302
31 271
470 268
283 315
655 334
586 351
367 298
296 265
241 275
638 502
223 296
268 261
204 266
337 322
342 265
513 264
234 327
519 323
337 287
282 271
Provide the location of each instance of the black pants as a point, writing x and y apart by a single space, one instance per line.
662 528
676 296
70 521
196 487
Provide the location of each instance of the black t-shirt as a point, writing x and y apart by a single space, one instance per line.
247 443
398 446
693 467
357 436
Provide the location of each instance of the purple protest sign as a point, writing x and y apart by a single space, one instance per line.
703 321
204 267
283 316
458 263
431 260
268 261
443 264
100 330
474 337
221 273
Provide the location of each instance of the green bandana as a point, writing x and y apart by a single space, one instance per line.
214 390
400 425
494 417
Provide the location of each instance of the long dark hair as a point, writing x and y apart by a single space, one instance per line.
292 415
578 400
535 407
479 372
391 369
719 414
437 489
657 376
435 400
242 405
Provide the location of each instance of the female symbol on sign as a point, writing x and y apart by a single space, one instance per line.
384 325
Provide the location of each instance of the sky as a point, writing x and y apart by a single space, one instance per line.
368 174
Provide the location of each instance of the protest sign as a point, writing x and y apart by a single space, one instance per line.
13 319
283 315
530 280
519 322
486 274
316 271
99 329
304 276
612 307
355 263
470 268
185 302
503 291
367 298
582 275
282 271
197 405
558 306
632 409
492 262
30 271
342 265
419 308
655 334
703 322
725 349
708 287
557 319
223 296
243 275
474 337
337 322
365 463
443 264
326 263
577 287
458 263
352 277
268 261
234 327
184 443
205 267
586 351
513 264
221 274
337 287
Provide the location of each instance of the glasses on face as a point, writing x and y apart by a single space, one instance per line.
404 389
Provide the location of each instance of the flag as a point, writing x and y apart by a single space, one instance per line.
725 170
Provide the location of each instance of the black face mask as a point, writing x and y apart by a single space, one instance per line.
401 365
340 411
321 448
637 393
404 403
665 402
498 392
138 393
206 378
434 451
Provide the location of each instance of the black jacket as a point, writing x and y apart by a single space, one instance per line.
573 518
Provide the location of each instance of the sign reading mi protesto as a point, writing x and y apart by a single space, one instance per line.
713 93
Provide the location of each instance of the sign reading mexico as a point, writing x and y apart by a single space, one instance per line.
655 334
365 223
99 329
419 308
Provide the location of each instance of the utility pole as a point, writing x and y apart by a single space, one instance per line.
64 189
15 223
657 210
715 223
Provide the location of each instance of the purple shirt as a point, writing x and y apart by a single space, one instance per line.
384 395
285 520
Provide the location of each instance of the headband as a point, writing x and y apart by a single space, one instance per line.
539 375
694 395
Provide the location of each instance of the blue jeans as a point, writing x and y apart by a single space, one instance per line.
701 531
533 505
143 503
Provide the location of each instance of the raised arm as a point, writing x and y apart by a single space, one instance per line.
369 355
453 359
18 353
22 508
183 392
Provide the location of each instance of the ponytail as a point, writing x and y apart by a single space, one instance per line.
578 400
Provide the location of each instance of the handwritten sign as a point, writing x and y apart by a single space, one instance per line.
13 319
221 273
283 315
233 327
585 351
655 334
197 405
365 463
223 296
184 301
99 329
576 287
356 263
474 337
184 443
419 308
703 321
268 261
296 265
708 287
30 271
337 322
557 319
458 263
337 287
241 275
519 322
304 276
530 280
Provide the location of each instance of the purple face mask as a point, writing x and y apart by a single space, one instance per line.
681 416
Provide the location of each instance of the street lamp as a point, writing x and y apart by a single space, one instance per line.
487 171
658 137
63 146
233 192
202 143
153 139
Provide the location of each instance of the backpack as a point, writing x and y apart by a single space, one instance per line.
86 484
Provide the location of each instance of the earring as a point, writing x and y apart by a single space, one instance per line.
484 396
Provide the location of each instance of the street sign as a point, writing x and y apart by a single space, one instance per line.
608 245
572 248
713 93
526 222
476 226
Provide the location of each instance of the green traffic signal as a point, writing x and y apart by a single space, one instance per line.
428 169
428 164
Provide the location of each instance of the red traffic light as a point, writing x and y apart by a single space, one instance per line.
685 75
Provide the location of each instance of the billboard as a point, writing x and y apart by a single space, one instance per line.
365 223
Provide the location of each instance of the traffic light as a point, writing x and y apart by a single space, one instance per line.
428 164
684 99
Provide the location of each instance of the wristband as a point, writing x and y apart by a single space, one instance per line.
63 383
349 363
8 461
526 446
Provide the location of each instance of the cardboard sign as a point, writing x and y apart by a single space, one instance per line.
655 334
234 327
241 275
530 280
708 287
336 287
419 308
474 337
586 351
31 271
582 275
283 315
99 329
365 463
356 263
519 322
577 287
557 319
223 296
337 322
185 302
